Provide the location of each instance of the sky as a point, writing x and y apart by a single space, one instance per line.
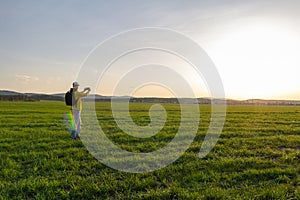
255 45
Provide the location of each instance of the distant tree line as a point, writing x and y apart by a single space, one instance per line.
17 98
39 97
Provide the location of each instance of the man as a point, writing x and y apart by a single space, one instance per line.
77 107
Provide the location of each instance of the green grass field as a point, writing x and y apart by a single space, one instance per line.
256 157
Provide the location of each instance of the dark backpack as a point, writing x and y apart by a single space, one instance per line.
69 97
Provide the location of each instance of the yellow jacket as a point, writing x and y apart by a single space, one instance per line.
77 96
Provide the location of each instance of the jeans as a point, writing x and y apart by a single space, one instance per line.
77 121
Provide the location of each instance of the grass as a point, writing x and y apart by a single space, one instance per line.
256 157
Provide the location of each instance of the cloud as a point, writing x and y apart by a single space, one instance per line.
53 79
25 78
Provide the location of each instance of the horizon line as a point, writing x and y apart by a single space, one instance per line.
226 98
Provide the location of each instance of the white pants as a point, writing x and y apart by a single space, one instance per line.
77 120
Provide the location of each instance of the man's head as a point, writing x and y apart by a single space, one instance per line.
75 85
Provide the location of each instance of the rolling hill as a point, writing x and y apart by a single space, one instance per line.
6 95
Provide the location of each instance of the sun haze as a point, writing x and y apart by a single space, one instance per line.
255 45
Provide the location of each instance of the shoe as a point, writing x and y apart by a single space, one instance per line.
78 136
73 135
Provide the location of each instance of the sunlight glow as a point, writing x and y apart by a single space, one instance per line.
258 60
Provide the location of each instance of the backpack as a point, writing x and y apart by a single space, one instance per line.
69 98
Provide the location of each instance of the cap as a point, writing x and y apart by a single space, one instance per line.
75 84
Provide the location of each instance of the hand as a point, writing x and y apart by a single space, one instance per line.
87 89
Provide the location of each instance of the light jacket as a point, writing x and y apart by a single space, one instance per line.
78 102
